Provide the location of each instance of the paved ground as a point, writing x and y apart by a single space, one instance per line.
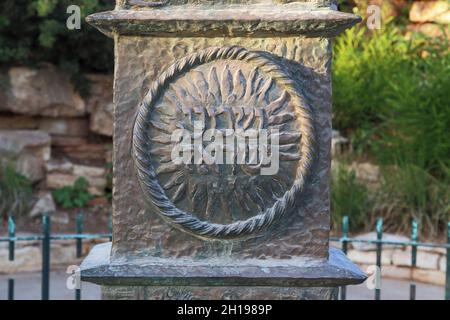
396 290
28 287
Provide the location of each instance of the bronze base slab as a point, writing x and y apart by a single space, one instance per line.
217 293
218 278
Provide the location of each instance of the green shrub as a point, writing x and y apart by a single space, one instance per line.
410 192
33 31
15 192
349 197
363 65
76 196
391 95
416 125
391 99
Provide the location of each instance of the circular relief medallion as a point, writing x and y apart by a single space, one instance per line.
222 143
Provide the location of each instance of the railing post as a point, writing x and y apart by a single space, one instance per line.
447 270
414 239
79 227
412 291
110 226
12 235
45 257
10 289
344 241
379 229
79 248
11 246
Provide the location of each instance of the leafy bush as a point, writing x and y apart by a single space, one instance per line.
76 196
349 197
391 99
409 192
363 65
32 31
416 125
15 192
391 95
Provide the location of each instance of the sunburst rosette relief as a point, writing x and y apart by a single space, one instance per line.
226 137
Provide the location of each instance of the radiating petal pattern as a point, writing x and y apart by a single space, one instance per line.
224 95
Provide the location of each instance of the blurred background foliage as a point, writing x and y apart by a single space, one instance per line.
390 99
15 190
34 31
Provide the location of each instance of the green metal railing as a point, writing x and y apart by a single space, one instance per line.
379 242
46 239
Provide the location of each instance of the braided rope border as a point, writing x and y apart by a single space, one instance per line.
148 181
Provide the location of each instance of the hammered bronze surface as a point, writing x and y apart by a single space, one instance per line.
196 230
139 230
217 293
223 88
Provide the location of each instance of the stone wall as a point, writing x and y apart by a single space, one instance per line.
429 17
50 132
28 255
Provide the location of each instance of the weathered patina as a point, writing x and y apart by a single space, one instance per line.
234 65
